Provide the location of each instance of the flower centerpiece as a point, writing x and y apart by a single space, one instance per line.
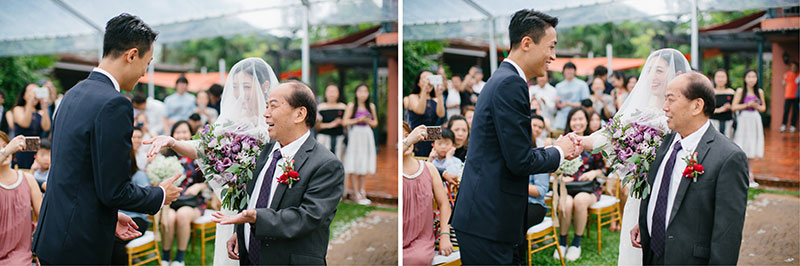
163 167
228 158
634 141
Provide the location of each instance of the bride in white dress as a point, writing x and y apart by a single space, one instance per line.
647 96
242 111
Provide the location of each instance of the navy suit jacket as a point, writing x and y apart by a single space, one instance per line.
494 188
90 178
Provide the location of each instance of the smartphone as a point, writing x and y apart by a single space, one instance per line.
435 79
42 92
32 144
434 133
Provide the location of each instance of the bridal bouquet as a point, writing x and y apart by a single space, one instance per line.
228 158
634 141
570 167
163 167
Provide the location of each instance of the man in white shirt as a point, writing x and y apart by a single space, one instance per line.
571 91
546 95
179 105
288 222
154 111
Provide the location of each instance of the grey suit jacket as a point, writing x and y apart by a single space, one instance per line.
295 227
707 216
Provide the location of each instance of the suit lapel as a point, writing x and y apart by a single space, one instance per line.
262 159
299 159
702 149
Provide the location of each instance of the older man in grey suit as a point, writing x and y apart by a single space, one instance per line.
693 220
288 223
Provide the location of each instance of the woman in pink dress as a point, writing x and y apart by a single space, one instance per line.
19 193
421 184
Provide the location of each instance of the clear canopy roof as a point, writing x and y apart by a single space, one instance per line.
449 19
55 26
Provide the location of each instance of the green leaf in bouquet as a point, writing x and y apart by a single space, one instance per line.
242 205
646 190
234 167
224 192
599 149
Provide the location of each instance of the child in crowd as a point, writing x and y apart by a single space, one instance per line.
41 164
442 155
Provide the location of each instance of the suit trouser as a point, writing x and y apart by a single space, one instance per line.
477 250
789 105
653 260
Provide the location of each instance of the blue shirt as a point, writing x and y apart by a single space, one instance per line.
139 179
542 183
573 91
179 107
452 165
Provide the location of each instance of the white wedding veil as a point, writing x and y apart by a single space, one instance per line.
244 97
660 68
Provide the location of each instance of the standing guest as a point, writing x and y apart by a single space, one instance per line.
460 127
630 83
602 73
749 134
546 95
176 221
19 194
425 106
453 99
136 145
330 129
790 93
468 113
139 178
360 157
207 114
574 209
180 104
467 95
41 164
476 83
421 187
31 118
571 91
154 110
620 92
215 96
9 118
4 125
722 119
602 103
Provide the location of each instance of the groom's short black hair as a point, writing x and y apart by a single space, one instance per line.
527 22
302 96
700 87
127 31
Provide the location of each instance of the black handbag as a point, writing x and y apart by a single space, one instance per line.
186 200
575 187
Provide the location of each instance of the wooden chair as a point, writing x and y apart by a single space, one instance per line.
606 211
143 246
204 230
540 233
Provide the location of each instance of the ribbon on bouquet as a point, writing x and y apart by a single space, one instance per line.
558 201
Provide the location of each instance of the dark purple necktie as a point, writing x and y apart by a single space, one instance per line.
657 242
263 197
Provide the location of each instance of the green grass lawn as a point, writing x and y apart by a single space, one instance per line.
753 192
589 255
346 215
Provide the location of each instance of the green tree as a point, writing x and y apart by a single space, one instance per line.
18 71
416 58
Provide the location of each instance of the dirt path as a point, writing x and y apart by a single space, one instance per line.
771 234
372 240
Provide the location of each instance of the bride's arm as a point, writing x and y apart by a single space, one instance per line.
184 148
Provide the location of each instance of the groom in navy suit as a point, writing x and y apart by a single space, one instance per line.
90 178
491 208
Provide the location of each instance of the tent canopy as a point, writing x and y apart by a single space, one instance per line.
58 26
449 19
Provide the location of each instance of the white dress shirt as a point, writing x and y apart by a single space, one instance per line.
113 80
522 75
688 144
287 151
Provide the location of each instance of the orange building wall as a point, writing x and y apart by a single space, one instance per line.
778 69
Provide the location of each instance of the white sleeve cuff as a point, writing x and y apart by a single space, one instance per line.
560 154
164 198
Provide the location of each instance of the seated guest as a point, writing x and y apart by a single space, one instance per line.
595 122
538 185
460 127
139 178
538 127
468 112
19 194
442 156
177 219
574 209
421 185
41 164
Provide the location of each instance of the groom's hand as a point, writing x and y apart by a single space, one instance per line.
126 227
233 247
636 239
568 146
171 192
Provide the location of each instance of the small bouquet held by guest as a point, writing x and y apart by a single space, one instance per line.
634 141
163 167
228 158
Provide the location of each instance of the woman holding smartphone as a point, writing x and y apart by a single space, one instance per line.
425 106
30 119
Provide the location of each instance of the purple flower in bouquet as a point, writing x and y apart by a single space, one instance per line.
625 153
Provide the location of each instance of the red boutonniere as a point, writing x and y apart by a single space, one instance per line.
693 169
289 175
